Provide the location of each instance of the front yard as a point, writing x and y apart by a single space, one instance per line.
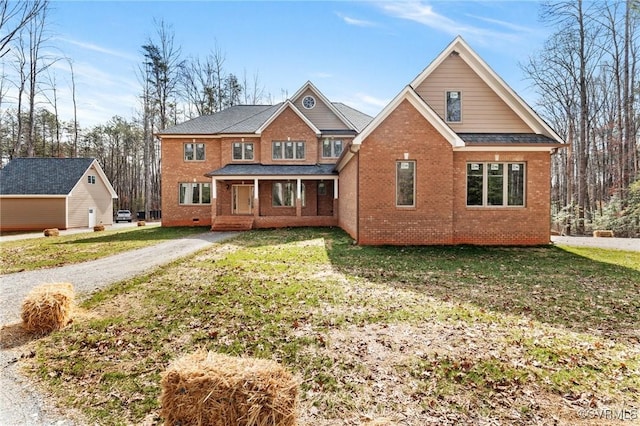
416 335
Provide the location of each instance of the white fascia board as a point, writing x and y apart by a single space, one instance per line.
100 173
309 85
425 110
494 81
288 104
275 177
507 148
33 196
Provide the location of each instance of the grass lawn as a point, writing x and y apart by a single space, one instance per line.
416 335
47 252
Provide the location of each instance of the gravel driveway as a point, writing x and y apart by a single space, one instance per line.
20 403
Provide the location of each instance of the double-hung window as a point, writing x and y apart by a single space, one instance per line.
284 194
454 106
405 183
495 184
195 193
331 148
243 151
193 152
287 150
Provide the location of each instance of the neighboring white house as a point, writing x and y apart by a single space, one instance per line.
39 193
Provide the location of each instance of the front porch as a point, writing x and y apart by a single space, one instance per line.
274 199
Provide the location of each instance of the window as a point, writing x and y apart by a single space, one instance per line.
287 150
308 102
193 152
405 183
331 148
495 184
91 179
284 194
454 107
195 193
242 151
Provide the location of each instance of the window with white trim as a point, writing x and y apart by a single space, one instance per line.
243 151
193 152
287 150
195 193
331 148
405 183
495 184
284 194
454 106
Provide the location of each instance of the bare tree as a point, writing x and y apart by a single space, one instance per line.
14 16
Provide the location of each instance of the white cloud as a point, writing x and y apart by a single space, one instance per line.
367 103
356 22
99 49
320 74
425 14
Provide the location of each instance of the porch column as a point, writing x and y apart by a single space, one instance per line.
214 201
256 198
335 188
298 197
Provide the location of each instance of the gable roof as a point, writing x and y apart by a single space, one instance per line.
410 95
284 106
47 176
310 86
252 119
498 85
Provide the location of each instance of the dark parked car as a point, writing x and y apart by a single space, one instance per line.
123 216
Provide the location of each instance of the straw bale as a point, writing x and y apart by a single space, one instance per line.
98 228
141 223
51 232
603 233
219 390
48 307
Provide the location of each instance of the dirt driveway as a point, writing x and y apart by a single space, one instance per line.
20 402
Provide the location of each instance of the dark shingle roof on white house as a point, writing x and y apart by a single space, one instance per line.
42 176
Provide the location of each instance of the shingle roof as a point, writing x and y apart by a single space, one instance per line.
42 176
274 170
241 119
506 138
357 118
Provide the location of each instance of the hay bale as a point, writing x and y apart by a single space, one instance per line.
219 390
98 228
48 307
603 234
141 223
51 232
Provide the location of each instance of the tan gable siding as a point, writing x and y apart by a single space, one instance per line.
26 214
482 109
320 115
85 196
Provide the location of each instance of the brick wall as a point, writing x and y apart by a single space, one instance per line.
405 131
175 170
348 196
529 225
288 126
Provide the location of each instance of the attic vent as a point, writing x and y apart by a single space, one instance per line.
455 53
308 102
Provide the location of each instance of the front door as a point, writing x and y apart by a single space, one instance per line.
242 199
92 217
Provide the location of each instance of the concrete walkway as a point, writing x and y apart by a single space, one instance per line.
20 403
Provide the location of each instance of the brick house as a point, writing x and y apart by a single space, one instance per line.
455 158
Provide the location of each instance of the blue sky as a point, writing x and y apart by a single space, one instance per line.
360 53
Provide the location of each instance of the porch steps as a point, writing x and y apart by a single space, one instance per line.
232 223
